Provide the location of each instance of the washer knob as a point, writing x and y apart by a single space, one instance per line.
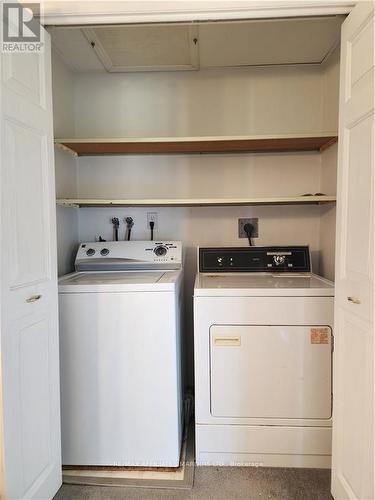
160 251
104 252
220 260
90 252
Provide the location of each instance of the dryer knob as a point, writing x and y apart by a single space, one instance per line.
104 252
279 259
90 252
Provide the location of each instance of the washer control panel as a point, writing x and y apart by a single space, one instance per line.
128 255
255 259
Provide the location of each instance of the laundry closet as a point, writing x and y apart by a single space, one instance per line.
205 128
271 80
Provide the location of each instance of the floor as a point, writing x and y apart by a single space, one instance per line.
221 483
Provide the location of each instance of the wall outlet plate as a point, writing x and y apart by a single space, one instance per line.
241 231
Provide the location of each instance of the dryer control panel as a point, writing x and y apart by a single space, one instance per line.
255 259
128 255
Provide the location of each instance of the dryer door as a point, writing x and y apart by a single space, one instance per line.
271 371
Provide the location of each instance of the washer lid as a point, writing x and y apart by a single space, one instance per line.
118 281
248 284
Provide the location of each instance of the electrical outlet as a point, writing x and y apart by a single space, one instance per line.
152 217
241 231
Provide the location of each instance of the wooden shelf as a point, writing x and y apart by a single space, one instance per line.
197 202
194 145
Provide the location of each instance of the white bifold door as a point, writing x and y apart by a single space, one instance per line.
353 411
29 327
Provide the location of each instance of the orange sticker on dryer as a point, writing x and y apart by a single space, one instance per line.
319 335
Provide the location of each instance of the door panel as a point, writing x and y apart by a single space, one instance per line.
353 376
353 415
34 394
361 52
352 406
358 199
24 74
29 329
26 174
271 372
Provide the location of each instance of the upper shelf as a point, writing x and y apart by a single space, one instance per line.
196 202
191 145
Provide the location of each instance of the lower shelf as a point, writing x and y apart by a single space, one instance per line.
197 202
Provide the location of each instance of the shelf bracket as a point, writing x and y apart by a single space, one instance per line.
62 147
68 205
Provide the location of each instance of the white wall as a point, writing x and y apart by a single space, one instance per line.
331 73
328 214
63 97
66 220
65 164
233 101
195 176
331 80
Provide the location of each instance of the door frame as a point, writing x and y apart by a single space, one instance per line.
158 11
2 465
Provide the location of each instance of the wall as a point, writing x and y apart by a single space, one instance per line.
232 101
331 78
66 220
327 233
65 164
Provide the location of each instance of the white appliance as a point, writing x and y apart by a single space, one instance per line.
263 358
121 396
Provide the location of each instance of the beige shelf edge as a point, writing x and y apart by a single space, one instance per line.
192 138
195 202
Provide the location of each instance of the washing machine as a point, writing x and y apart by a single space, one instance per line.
263 342
120 338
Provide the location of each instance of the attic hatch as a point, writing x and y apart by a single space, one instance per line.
193 46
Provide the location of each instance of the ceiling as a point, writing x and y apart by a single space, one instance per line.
171 47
